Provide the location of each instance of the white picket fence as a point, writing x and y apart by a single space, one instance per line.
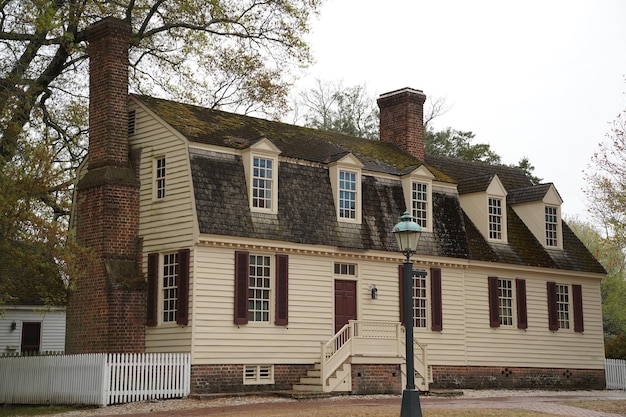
94 379
615 372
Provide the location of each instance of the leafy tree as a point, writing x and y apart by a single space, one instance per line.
606 182
350 110
235 54
525 165
615 348
456 144
613 288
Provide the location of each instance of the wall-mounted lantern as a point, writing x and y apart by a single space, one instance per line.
13 325
374 291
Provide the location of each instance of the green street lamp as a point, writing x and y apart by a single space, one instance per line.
407 234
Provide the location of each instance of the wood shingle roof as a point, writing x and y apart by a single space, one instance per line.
306 212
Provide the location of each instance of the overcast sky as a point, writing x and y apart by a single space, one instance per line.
541 79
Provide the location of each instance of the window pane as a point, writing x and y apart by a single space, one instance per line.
505 300
495 218
259 291
347 194
419 302
159 180
419 201
551 226
262 174
170 286
562 303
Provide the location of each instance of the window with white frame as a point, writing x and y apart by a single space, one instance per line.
347 194
495 218
159 178
505 301
170 287
420 301
345 269
258 374
551 215
419 203
262 182
562 305
259 286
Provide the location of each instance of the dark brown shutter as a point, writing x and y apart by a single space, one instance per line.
522 313
553 317
282 290
494 302
401 292
182 307
577 298
242 266
153 290
436 308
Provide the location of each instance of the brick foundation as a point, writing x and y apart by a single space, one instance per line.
206 379
376 379
475 377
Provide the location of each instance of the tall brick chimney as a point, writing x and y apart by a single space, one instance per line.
106 311
402 120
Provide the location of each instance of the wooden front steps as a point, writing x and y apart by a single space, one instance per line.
340 381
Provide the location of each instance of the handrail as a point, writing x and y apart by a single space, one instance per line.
420 355
335 352
341 346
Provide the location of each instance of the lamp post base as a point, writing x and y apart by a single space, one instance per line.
411 404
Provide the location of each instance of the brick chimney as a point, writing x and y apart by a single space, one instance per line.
106 311
402 120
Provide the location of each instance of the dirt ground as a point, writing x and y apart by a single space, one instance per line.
475 403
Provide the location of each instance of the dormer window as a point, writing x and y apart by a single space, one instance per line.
345 178
417 188
483 198
539 207
347 194
495 218
552 235
419 203
262 181
260 163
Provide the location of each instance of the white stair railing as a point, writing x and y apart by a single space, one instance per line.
420 354
335 352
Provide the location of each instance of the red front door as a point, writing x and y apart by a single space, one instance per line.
345 303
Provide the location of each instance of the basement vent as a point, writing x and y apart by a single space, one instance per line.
258 374
131 122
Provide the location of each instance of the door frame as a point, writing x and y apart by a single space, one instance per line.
354 316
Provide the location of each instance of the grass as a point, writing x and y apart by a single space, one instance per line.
607 406
33 410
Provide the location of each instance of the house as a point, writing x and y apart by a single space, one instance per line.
265 250
32 328
32 302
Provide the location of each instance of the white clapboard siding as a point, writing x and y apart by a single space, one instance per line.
94 379
615 370
536 346
311 313
168 224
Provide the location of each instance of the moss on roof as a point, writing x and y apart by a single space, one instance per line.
218 128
